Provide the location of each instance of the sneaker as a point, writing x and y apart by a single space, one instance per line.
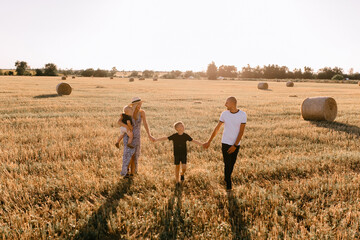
117 145
182 178
130 145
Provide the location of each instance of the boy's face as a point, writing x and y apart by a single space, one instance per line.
180 128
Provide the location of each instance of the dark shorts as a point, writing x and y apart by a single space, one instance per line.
180 158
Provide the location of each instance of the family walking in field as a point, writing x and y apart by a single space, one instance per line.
234 121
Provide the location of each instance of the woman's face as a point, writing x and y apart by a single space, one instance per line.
138 106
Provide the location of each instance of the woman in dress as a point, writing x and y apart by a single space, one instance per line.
131 155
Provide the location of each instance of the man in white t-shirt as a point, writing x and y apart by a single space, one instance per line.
235 121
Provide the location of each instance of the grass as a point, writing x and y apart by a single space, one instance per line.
60 171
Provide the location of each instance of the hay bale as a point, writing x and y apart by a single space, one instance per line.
63 78
73 77
359 83
141 78
289 84
263 85
111 77
155 79
319 108
63 89
131 79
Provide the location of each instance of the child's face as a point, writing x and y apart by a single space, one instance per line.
180 128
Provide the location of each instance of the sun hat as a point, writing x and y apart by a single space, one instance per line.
135 100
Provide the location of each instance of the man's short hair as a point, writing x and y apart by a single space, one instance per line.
177 124
233 99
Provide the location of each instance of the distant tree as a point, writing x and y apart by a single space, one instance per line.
148 74
212 71
134 74
176 73
298 73
188 74
113 72
10 73
328 72
100 73
39 72
88 72
308 73
1 72
21 67
227 71
50 69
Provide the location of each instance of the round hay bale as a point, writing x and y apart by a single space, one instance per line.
111 77
155 79
131 79
319 108
263 85
290 84
359 83
141 78
63 89
63 78
73 77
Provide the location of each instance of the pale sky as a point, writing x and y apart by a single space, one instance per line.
180 35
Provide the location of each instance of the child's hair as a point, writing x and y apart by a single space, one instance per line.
126 108
177 124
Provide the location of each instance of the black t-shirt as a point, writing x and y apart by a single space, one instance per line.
125 118
180 143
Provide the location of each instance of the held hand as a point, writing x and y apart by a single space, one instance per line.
206 145
231 149
152 139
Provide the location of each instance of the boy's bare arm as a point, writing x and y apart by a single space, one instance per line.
161 139
197 142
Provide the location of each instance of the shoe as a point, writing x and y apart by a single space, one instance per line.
130 145
182 178
117 145
127 175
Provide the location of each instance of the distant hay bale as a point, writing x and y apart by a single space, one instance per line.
319 108
63 78
141 78
292 95
73 77
155 79
63 89
290 84
359 83
263 85
111 77
131 79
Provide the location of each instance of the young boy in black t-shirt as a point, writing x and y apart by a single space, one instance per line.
126 126
180 151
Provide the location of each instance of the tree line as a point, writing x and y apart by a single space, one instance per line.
271 71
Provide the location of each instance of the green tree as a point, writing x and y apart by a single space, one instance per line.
1 72
227 71
50 69
88 72
148 74
212 71
21 67
39 72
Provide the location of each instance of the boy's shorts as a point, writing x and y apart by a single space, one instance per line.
180 158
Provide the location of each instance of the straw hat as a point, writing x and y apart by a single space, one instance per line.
135 100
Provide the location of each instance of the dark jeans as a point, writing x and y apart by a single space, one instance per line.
229 161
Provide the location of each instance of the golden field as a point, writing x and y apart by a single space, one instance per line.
60 171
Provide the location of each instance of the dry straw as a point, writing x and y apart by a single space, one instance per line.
263 85
63 89
289 84
319 108
63 78
131 79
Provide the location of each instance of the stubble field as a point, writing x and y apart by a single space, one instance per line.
60 171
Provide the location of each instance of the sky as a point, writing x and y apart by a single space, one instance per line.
166 35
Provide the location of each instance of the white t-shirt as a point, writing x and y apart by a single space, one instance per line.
232 122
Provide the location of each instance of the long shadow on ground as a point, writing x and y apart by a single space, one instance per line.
171 219
339 127
47 96
96 227
237 220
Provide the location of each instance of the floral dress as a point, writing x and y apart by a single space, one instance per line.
129 152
